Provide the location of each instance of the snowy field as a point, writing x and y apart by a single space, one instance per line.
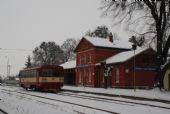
16 103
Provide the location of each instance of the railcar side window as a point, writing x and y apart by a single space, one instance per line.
58 73
47 72
30 73
51 73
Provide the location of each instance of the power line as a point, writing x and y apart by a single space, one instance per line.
15 49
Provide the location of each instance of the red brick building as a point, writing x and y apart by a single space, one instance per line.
100 62
127 71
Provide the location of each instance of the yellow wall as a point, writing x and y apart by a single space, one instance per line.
166 80
51 79
43 79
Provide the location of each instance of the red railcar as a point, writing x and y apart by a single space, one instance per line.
45 77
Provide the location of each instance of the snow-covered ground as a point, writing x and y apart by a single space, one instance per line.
16 103
152 94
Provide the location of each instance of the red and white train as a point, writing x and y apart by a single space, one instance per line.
45 77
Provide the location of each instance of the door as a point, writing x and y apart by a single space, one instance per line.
109 79
37 77
97 77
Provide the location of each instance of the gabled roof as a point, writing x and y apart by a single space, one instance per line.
125 56
105 43
69 64
102 42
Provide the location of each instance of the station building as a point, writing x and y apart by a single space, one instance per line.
106 63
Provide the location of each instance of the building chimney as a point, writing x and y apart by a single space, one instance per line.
110 37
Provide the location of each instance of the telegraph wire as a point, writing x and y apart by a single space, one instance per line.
15 51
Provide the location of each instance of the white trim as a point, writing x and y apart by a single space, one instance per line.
85 51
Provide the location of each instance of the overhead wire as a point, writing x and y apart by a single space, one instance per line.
4 50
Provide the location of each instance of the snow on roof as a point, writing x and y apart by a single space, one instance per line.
124 56
102 42
69 64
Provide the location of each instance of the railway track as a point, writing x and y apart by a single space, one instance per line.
110 100
94 98
63 101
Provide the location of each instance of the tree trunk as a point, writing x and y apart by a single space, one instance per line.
159 57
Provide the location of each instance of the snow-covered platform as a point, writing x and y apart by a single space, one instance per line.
152 94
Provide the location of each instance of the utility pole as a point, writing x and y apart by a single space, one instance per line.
8 66
134 46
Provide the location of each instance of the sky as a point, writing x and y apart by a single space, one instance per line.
24 24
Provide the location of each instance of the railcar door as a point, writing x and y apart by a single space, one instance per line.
37 77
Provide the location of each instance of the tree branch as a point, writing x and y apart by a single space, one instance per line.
166 49
152 8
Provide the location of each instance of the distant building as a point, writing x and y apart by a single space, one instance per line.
107 63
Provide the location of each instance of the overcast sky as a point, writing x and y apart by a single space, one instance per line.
24 24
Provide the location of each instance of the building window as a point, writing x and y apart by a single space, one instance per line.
127 70
84 72
84 78
84 58
89 58
80 76
117 75
80 60
89 75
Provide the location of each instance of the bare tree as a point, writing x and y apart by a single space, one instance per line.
48 53
68 48
154 20
100 31
138 41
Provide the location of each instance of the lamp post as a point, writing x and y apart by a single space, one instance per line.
134 46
